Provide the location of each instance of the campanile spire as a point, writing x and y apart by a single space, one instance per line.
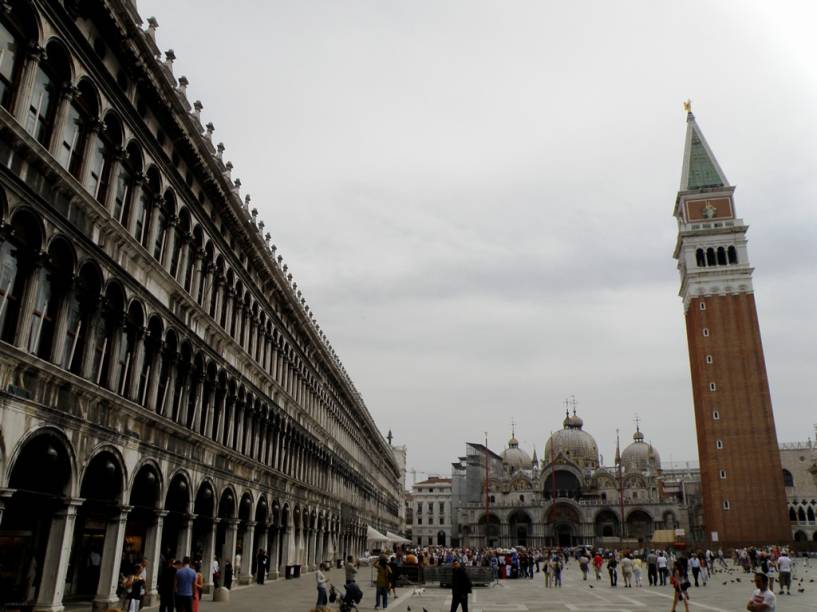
737 441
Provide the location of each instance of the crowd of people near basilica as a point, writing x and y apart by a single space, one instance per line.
678 570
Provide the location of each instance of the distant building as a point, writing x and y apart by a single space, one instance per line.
432 512
570 499
737 443
799 461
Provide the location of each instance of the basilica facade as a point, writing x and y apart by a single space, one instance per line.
165 389
568 498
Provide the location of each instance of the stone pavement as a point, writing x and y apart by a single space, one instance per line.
529 595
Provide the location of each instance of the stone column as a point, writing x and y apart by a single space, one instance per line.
195 282
169 244
273 547
211 408
27 303
153 552
185 544
247 553
111 559
136 364
57 556
155 226
230 537
34 54
152 393
207 557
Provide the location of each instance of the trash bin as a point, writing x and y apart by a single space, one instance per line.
296 570
289 571
339 563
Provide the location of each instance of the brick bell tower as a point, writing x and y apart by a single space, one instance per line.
741 474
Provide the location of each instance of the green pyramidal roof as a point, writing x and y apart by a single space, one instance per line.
700 168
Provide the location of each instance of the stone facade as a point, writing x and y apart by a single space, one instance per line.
570 499
431 517
799 461
166 390
737 441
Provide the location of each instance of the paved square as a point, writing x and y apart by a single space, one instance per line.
531 595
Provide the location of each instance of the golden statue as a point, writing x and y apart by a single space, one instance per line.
688 105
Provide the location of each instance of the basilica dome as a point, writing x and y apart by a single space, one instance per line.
574 443
640 456
514 457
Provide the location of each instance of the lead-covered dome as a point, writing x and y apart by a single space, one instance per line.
574 443
514 457
640 456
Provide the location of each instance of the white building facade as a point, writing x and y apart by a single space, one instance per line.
431 524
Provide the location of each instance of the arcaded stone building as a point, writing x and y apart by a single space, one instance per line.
164 388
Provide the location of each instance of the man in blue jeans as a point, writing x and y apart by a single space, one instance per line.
185 579
383 579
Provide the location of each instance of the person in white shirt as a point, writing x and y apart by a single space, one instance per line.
784 568
763 600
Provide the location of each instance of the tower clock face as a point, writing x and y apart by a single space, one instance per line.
706 209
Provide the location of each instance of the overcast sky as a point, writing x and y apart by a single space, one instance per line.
476 197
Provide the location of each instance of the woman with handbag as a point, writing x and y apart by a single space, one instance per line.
680 584
135 586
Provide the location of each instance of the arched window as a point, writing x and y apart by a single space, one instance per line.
10 61
111 343
126 171
53 286
182 229
168 359
721 256
134 329
80 316
82 113
18 255
792 515
700 258
52 77
732 254
167 212
144 204
239 293
710 257
801 514
193 250
105 144
788 479
810 514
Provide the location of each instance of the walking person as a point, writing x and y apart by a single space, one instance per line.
597 563
637 565
395 570
772 572
350 569
460 587
661 562
612 564
695 564
652 568
784 570
382 583
185 579
763 599
323 589
557 572
165 585
680 585
135 586
197 587
584 565
261 561
228 574
627 571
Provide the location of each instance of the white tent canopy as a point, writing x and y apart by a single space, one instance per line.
393 537
373 535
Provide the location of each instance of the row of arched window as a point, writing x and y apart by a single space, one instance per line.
65 311
65 118
716 256
801 514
